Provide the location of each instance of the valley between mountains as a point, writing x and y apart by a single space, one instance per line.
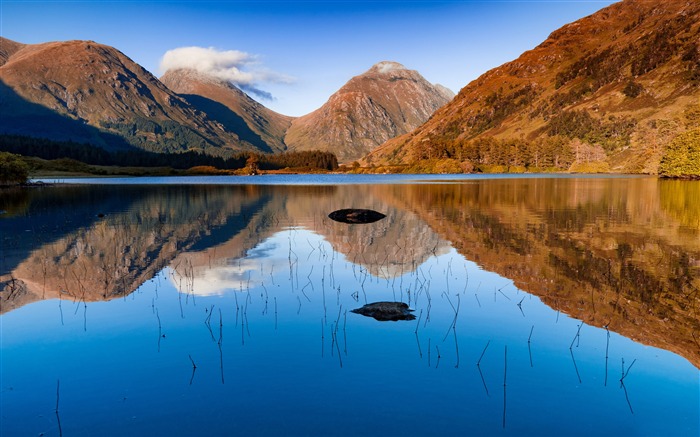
615 92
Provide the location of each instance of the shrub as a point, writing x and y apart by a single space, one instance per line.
682 156
632 89
13 171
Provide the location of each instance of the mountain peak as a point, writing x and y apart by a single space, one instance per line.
386 67
181 79
631 68
230 106
386 101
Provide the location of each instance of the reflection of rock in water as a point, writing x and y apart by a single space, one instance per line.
385 311
356 216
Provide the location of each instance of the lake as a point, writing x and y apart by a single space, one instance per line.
541 305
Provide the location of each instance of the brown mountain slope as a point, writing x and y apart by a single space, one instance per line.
386 101
231 107
617 85
84 91
7 49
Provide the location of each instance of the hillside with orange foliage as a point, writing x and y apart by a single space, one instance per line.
605 93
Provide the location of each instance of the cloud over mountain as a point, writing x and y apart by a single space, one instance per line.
240 68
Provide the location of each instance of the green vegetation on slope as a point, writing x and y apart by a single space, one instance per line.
13 171
88 154
682 156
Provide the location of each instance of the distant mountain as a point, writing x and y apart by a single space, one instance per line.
234 109
88 92
604 93
386 101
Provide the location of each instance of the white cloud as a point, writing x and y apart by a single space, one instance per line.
240 68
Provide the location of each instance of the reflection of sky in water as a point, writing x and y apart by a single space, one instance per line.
287 357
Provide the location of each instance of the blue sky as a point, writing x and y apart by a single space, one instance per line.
300 52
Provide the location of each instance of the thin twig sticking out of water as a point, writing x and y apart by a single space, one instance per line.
607 347
428 351
221 351
578 375
160 330
622 382
577 336
483 352
194 368
420 351
625 373
58 418
453 325
466 282
529 350
418 323
207 322
454 331
520 306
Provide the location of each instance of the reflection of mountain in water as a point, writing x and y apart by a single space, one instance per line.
98 243
617 253
397 244
94 258
623 253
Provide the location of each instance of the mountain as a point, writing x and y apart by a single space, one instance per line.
386 101
89 92
604 93
231 107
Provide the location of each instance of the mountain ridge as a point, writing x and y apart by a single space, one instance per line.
385 101
90 92
622 81
251 120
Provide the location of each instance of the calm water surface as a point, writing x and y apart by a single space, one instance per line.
222 306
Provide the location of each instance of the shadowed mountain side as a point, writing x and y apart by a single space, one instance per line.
115 255
229 119
583 256
99 86
40 216
19 116
250 120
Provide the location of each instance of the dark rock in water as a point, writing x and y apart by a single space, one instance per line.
385 311
356 216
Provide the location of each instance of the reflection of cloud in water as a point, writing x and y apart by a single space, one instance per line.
209 273
261 252
216 280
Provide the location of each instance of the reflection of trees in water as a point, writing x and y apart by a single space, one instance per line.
110 240
105 257
681 200
605 251
608 251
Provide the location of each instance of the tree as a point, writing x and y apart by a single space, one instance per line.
13 171
682 156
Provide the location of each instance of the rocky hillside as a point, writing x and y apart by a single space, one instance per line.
605 93
386 101
89 92
234 109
